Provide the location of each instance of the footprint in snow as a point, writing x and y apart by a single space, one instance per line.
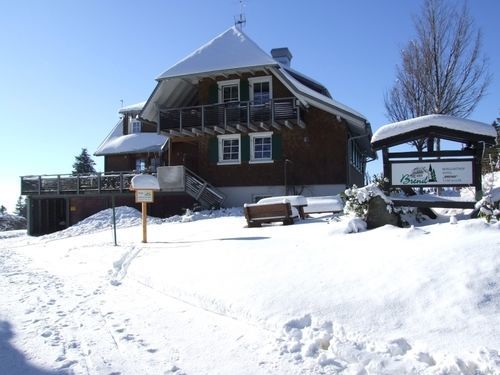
46 334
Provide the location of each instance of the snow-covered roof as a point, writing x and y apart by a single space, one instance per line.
441 121
137 107
312 97
230 50
132 143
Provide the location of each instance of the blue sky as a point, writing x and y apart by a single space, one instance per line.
66 64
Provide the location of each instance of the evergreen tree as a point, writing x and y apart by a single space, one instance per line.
21 209
3 209
83 163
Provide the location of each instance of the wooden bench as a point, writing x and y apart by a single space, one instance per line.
258 214
298 202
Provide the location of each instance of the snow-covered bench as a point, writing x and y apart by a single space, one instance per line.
258 214
298 202
325 204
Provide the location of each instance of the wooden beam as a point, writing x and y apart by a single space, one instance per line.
276 125
220 130
174 133
264 126
187 132
252 127
230 129
430 204
197 131
209 131
433 154
288 124
301 124
242 128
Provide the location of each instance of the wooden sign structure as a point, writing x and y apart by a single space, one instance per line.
144 186
453 168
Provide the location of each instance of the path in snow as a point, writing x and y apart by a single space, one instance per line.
52 325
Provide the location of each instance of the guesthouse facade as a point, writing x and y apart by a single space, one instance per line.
230 124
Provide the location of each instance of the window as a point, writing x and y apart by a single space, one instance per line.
261 149
229 91
229 149
260 89
134 126
154 164
140 165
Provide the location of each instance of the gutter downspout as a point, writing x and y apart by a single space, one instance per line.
349 149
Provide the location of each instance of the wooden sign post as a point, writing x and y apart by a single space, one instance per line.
144 197
144 187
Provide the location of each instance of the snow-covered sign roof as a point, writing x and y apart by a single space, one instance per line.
137 107
144 182
230 50
476 129
131 143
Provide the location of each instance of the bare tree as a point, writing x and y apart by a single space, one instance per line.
443 70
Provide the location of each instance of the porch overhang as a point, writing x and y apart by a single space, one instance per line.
135 143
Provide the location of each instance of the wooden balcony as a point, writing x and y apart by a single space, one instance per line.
231 117
112 183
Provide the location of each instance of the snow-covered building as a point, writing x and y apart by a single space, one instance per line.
246 122
226 125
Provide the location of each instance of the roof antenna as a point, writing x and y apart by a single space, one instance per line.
241 21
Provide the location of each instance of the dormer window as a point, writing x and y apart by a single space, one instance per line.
229 91
134 126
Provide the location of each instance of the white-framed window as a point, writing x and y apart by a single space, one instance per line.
134 126
229 149
261 147
229 91
261 89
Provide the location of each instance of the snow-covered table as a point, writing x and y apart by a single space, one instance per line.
330 203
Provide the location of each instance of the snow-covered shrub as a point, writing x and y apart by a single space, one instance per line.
488 208
357 200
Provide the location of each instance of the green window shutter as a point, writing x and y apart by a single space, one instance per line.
213 93
277 145
244 91
213 150
245 148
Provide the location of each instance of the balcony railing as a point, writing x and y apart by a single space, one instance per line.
76 184
106 183
242 116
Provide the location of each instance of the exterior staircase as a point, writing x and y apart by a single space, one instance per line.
201 190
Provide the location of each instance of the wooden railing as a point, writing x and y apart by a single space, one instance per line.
201 190
76 184
113 182
245 114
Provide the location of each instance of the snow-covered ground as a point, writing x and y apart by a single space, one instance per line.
207 295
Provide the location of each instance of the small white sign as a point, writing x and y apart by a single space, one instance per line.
431 173
144 196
